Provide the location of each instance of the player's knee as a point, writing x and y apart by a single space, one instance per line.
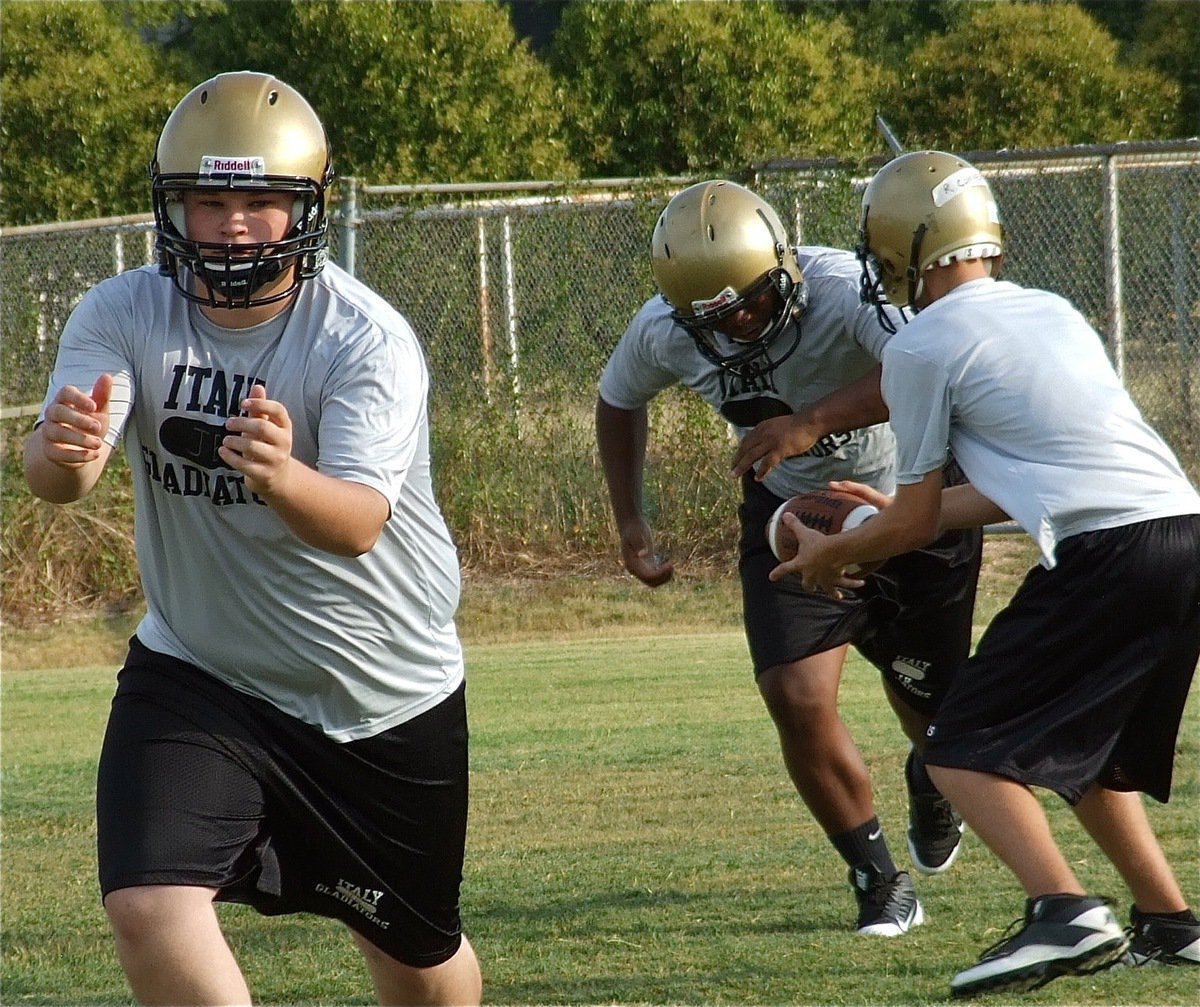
454 981
148 912
792 699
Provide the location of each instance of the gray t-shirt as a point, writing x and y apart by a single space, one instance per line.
1017 383
353 646
840 340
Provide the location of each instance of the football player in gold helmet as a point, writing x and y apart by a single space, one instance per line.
251 134
289 728
1079 685
776 339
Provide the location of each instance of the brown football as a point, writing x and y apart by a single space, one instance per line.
827 511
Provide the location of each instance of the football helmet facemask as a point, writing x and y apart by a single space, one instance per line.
717 247
245 132
922 209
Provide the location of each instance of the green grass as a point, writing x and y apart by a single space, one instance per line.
633 838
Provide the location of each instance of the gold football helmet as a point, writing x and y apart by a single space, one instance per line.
924 208
716 247
241 131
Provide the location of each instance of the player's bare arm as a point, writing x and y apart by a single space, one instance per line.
66 454
965 507
962 506
858 404
621 439
332 514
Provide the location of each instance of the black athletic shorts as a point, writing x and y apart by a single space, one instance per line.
911 620
1083 677
200 784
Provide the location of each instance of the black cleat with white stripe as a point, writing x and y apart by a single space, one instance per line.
1063 935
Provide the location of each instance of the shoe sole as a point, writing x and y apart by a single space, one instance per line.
1038 974
894 929
929 872
1159 960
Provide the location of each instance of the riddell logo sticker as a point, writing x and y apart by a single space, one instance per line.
211 164
725 298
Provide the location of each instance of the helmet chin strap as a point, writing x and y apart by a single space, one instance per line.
231 277
232 283
915 281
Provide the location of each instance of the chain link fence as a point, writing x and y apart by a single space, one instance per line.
520 291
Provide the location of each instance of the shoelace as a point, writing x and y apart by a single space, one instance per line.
1005 937
1146 959
933 810
882 894
942 815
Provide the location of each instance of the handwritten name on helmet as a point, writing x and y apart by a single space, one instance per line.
954 185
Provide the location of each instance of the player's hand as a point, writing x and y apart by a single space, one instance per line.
260 443
867 494
640 558
812 564
770 442
75 424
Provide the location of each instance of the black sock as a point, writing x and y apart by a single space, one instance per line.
866 845
1183 916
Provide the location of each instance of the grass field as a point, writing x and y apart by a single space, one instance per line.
633 838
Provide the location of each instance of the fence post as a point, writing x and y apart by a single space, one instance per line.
347 225
1184 333
511 295
485 310
1112 252
43 325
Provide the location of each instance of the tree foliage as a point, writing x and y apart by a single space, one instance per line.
886 31
84 100
667 87
409 92
1168 40
1027 75
443 91
1119 17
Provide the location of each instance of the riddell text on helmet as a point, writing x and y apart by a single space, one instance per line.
211 164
